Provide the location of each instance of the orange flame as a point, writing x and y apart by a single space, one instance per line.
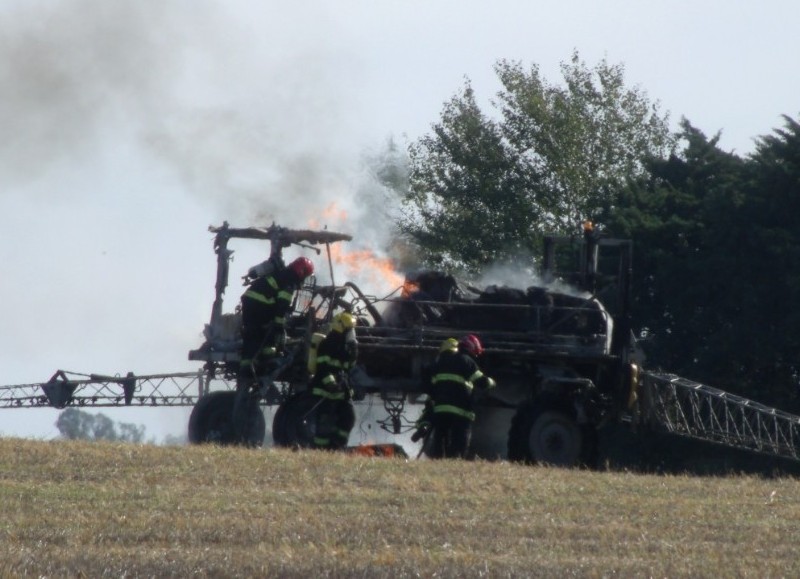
331 213
386 449
366 264
362 263
409 287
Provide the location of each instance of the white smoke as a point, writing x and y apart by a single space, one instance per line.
254 122
129 128
517 273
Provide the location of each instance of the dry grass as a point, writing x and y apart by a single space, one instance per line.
97 509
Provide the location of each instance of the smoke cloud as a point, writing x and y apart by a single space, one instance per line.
252 120
130 127
73 69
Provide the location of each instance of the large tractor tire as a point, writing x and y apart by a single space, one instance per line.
211 421
549 434
295 420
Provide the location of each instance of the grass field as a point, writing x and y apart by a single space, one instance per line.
121 510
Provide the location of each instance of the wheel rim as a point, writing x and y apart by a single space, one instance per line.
555 439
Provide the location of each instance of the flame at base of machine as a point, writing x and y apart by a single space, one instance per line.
386 450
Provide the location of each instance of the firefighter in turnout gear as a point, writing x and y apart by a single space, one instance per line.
454 376
264 306
336 356
424 423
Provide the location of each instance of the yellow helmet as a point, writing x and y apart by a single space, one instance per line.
449 344
343 322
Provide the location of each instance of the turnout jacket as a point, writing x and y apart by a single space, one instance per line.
453 378
336 355
268 299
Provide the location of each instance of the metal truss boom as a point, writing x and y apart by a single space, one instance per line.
695 410
92 390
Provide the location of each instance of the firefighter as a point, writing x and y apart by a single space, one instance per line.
424 423
336 356
264 305
454 376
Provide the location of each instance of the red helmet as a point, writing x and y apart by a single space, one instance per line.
302 267
471 345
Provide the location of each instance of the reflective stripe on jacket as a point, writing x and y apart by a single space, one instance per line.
335 354
453 378
268 299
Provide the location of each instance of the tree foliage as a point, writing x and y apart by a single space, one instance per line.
585 139
717 256
482 189
74 424
467 203
717 251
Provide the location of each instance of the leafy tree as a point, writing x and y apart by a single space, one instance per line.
179 440
75 424
378 200
483 189
585 139
467 203
390 167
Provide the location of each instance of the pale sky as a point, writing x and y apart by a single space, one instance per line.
131 126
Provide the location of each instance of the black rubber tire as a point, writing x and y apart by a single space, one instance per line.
517 434
211 421
294 424
555 439
545 434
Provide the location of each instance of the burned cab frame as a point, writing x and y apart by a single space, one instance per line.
220 350
211 419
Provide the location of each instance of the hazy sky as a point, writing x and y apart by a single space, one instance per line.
131 126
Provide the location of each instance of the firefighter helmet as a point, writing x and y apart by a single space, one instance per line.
471 345
302 267
343 322
449 344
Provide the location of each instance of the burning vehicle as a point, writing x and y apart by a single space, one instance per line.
561 350
561 365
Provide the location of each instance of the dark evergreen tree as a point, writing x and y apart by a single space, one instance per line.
770 328
682 270
716 252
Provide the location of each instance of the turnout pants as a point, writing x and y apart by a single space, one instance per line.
451 435
334 421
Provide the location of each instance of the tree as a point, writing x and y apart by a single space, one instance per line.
770 332
483 189
378 200
467 202
181 440
680 218
74 424
587 139
717 252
